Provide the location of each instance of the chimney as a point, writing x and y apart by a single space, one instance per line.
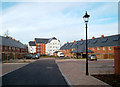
18 40
67 42
81 39
7 37
14 39
93 37
74 41
102 35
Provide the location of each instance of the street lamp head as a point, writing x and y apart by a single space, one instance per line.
86 17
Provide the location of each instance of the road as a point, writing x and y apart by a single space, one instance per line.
38 73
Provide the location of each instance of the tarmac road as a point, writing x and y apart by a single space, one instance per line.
40 73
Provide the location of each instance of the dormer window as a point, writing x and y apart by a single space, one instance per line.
116 38
104 40
94 41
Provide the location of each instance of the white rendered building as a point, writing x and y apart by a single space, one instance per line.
32 47
52 45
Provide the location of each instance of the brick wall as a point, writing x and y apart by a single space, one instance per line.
40 48
117 60
13 52
103 52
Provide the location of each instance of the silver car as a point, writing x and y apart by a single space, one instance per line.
35 56
92 57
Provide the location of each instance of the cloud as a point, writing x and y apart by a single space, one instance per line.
25 21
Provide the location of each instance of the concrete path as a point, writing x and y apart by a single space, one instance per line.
9 67
75 71
38 73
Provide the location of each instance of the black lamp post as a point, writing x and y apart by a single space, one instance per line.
77 50
86 18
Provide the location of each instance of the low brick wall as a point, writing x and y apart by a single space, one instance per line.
117 60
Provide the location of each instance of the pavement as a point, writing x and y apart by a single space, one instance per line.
9 67
74 70
43 72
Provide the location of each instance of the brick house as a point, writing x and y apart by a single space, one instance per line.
102 47
15 49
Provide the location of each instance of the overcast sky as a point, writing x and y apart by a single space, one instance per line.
63 20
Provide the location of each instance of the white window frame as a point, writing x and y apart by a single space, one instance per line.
103 48
98 48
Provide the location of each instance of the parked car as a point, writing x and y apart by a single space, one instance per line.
43 55
35 56
92 57
60 54
28 56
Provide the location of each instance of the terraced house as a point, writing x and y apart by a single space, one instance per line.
12 48
102 47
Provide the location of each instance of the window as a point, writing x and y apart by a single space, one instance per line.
88 41
70 44
104 40
94 41
5 48
103 48
81 42
116 38
93 48
109 48
98 48
9 48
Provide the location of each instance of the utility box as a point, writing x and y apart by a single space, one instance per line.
117 60
8 57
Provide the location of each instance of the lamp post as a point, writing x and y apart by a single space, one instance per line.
77 50
86 18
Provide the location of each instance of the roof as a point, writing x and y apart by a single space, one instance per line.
113 40
32 43
56 51
41 40
45 40
53 38
12 43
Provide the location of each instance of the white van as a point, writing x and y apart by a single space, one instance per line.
60 54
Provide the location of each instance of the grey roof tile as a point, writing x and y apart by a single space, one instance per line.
12 43
32 43
113 40
41 40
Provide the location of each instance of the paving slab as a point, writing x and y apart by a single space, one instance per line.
75 72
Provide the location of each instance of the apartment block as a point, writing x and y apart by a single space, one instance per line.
45 46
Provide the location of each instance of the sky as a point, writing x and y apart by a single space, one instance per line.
63 20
